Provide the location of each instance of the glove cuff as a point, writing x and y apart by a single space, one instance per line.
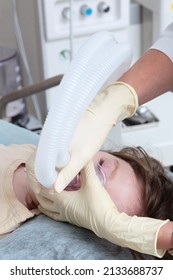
133 103
118 100
132 90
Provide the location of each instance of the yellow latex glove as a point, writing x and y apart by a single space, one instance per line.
91 207
117 102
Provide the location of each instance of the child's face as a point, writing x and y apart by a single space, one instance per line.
121 183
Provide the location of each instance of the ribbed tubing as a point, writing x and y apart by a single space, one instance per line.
98 62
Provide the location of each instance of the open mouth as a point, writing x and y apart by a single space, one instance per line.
76 182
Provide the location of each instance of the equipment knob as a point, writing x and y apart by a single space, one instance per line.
103 7
66 13
85 10
64 54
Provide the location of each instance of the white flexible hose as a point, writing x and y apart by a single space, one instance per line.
99 61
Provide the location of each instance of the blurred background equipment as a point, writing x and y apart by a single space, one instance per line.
11 80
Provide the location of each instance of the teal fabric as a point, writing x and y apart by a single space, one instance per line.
13 134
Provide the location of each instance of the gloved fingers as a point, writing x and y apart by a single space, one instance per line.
53 215
55 202
89 177
94 190
68 173
45 202
76 164
54 196
35 185
87 173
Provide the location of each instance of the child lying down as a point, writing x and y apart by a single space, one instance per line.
135 182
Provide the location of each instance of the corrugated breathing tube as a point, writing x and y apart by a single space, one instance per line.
100 61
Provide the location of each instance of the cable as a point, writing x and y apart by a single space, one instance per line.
71 30
22 51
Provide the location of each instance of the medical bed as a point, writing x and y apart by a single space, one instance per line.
41 237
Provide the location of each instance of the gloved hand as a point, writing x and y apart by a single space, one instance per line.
91 207
117 102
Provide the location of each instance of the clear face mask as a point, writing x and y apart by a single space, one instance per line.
100 173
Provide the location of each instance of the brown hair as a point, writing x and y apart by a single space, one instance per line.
157 187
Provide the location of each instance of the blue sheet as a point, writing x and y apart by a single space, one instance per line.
10 133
